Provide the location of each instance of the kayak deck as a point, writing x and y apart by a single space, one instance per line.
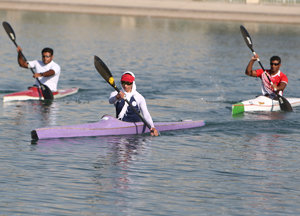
108 126
261 103
34 93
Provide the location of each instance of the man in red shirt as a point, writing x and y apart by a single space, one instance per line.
279 79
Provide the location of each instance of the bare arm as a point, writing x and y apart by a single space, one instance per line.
21 60
45 74
280 87
249 71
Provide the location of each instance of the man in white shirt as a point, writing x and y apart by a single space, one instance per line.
47 71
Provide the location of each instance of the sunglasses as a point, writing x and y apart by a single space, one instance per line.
126 83
46 56
276 64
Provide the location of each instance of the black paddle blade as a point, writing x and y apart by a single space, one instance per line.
104 71
9 30
284 104
47 93
247 37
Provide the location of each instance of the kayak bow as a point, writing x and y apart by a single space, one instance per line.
109 126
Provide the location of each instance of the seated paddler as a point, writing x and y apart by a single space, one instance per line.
46 70
123 111
278 79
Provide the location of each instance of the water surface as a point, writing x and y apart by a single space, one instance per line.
186 69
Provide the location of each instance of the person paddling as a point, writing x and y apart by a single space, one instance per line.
47 71
123 111
278 78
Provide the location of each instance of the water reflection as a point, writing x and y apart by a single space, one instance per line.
266 154
124 149
260 116
44 111
264 146
115 156
120 166
175 59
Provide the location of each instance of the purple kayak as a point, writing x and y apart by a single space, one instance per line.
108 126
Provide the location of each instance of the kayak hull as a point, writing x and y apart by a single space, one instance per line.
261 103
109 126
34 93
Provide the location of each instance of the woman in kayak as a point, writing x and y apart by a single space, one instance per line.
123 111
278 78
47 71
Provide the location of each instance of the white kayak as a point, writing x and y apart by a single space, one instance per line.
34 93
261 103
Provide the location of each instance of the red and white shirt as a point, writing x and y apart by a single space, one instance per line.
276 79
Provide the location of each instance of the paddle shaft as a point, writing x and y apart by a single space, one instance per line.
249 43
26 61
47 93
262 67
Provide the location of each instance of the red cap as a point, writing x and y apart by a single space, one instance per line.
127 78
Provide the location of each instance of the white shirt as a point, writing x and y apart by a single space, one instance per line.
40 67
141 102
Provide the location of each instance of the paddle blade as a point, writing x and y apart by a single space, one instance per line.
284 104
47 93
247 37
104 71
9 30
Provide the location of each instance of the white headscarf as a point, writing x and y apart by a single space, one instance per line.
128 95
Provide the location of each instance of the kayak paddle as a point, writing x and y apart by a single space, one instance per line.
283 102
46 92
106 74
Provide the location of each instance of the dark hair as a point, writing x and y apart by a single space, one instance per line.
47 49
275 58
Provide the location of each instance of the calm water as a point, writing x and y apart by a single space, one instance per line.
186 69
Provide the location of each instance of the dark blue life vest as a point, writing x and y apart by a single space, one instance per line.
130 115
